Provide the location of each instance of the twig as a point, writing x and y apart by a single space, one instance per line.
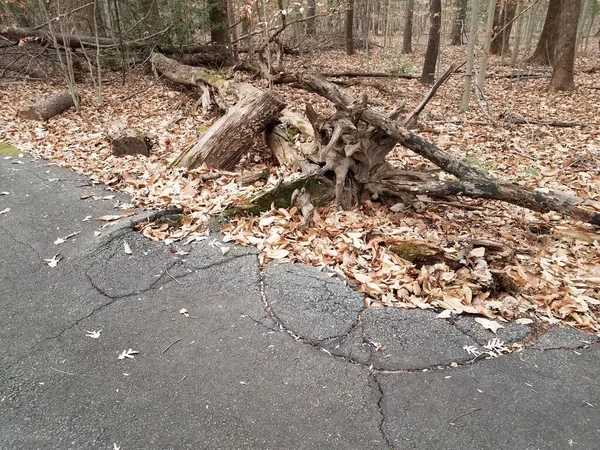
171 345
168 273
45 24
451 422
62 371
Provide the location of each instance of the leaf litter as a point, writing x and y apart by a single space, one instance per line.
531 266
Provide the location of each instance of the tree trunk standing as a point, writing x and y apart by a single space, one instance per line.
503 27
152 16
219 26
518 32
470 54
544 51
350 28
486 47
564 55
580 25
433 43
311 25
457 35
408 27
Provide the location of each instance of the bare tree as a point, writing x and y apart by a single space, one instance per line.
544 51
433 43
471 54
564 55
350 28
457 35
503 19
408 26
219 26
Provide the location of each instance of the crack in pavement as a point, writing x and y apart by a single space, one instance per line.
375 380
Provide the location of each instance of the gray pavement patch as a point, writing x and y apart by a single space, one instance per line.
564 338
117 274
413 339
527 400
311 303
229 383
511 331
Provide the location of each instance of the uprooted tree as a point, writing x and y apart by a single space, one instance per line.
344 156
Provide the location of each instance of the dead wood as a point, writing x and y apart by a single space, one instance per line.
47 107
366 75
520 120
224 144
128 141
288 136
71 40
252 176
473 182
411 119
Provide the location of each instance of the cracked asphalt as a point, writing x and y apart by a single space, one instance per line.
286 358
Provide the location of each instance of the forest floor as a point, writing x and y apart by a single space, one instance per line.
492 259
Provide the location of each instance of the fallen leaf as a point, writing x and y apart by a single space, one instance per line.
109 218
488 324
93 334
64 239
128 354
127 248
4 211
445 314
54 261
524 321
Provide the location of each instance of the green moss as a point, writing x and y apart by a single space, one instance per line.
292 132
7 149
412 250
281 196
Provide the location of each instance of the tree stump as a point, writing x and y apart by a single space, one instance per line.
224 144
128 141
48 107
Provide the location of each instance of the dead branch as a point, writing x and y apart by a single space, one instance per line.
520 120
411 119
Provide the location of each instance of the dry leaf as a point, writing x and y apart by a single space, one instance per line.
109 218
127 248
488 324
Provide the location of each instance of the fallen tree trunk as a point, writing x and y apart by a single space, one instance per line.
71 40
474 183
349 155
224 144
47 107
289 136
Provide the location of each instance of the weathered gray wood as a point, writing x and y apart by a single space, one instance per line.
224 144
47 107
128 141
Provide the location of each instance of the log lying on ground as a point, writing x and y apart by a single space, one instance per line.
71 40
128 141
288 136
47 107
224 144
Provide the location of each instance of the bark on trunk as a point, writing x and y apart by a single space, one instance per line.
224 144
503 27
48 107
350 28
564 55
408 26
457 35
433 43
219 25
128 141
544 51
